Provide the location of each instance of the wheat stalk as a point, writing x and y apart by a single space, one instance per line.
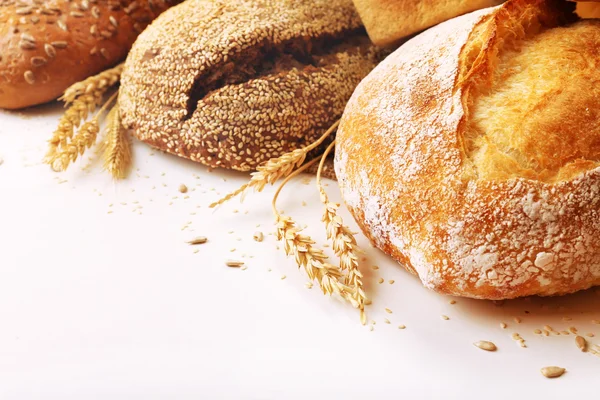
85 138
310 258
117 148
94 84
277 168
344 243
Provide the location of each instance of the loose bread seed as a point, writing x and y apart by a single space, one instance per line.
485 345
234 263
258 236
581 343
552 372
198 240
183 188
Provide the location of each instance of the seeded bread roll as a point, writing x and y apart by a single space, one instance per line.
45 46
388 21
471 154
234 83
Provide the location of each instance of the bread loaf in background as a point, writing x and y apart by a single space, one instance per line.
472 153
389 21
233 83
47 45
589 9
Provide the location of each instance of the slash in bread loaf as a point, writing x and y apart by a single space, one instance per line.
472 153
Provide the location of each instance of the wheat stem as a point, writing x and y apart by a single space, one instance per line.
344 243
277 168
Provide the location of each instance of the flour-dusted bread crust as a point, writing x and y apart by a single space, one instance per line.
233 83
47 45
470 155
388 21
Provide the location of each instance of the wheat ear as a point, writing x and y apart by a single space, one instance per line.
117 148
310 258
71 119
97 83
82 98
344 243
84 139
277 168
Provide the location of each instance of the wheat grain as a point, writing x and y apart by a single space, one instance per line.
276 168
94 84
344 243
117 149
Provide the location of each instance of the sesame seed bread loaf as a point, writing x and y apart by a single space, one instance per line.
388 21
234 83
47 45
471 154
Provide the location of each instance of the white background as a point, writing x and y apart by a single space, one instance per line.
99 305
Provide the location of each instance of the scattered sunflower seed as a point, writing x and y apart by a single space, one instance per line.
485 345
387 310
581 343
198 240
445 317
183 188
401 326
258 236
234 263
552 372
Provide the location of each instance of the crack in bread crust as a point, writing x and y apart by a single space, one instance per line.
515 99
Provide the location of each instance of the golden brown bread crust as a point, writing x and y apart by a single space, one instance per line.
45 45
388 21
486 182
234 83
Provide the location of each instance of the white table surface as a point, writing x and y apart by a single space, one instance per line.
99 305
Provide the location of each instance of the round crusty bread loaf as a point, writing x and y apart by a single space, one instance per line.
471 154
234 83
46 46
